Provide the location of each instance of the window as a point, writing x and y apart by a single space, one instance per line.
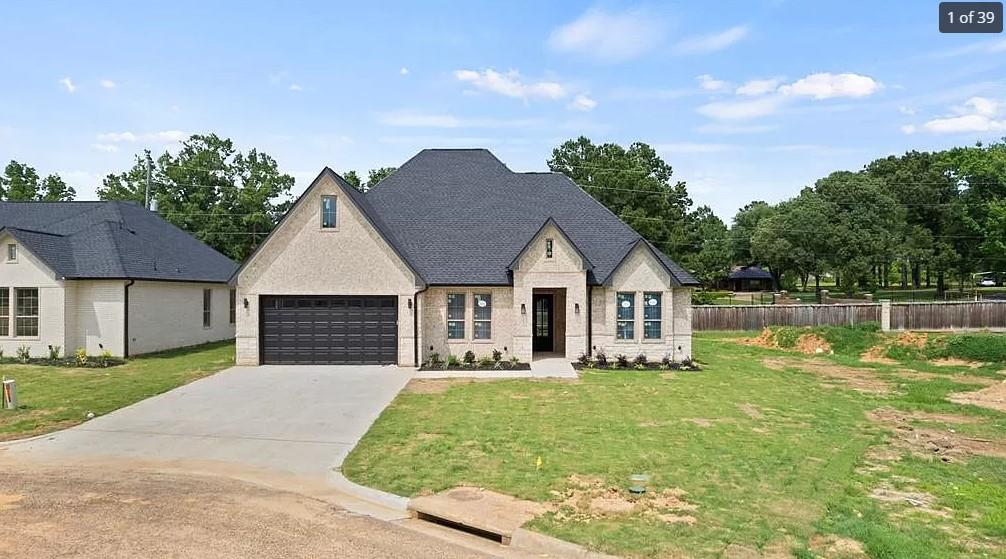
651 316
455 316
548 248
12 252
207 305
328 212
483 315
26 312
233 306
626 315
4 311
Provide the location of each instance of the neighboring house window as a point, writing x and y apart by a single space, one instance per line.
548 248
233 306
626 314
328 212
455 316
483 315
651 316
4 311
207 306
26 312
12 252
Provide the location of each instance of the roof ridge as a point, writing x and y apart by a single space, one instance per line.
35 231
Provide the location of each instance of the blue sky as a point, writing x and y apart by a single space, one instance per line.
747 100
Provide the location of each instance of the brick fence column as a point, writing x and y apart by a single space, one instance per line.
885 315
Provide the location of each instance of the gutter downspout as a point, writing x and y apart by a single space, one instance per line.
590 326
125 319
415 326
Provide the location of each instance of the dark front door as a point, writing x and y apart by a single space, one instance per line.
329 329
542 323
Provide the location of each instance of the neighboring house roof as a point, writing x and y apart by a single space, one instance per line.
750 273
106 240
460 216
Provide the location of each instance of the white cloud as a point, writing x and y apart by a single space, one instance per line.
723 128
713 42
977 114
741 110
68 84
296 87
906 110
758 87
609 37
105 148
108 84
908 129
414 119
163 137
710 83
982 106
825 85
582 103
510 84
403 71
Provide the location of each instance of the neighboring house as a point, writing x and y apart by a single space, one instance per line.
456 252
107 276
750 278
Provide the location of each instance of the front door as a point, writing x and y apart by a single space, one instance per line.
542 323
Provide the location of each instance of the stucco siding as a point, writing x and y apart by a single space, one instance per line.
165 315
301 258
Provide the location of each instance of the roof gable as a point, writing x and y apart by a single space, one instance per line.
541 230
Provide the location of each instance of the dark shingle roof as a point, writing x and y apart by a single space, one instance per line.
96 240
750 273
460 216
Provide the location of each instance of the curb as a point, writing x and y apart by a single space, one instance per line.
370 495
540 544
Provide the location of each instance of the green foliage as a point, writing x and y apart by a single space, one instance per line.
469 358
844 340
973 347
54 352
23 353
80 357
374 176
21 182
703 297
453 361
786 336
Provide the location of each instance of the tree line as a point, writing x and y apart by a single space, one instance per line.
910 220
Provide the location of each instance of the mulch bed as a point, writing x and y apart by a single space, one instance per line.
501 366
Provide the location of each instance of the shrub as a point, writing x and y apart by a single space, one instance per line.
787 336
497 355
434 360
583 359
600 360
80 357
640 360
514 361
973 347
621 360
704 297
666 361
1 355
453 361
54 351
469 358
486 362
689 365
23 353
106 358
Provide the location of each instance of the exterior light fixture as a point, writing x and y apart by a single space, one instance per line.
576 308
245 302
523 309
410 304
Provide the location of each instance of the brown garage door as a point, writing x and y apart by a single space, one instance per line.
329 329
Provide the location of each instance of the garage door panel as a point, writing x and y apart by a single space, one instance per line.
331 329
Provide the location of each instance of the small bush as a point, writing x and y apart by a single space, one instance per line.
486 362
621 360
497 355
434 360
973 347
453 361
514 361
787 336
666 362
23 353
469 358
640 360
106 358
80 357
54 352
583 359
704 297
600 360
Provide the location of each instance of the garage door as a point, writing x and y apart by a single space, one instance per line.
331 329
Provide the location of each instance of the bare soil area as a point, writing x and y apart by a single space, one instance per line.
944 444
992 397
857 378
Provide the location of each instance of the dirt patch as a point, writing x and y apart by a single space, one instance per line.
588 497
955 362
440 385
831 546
877 354
859 379
10 501
992 397
918 340
962 378
701 422
808 344
764 339
946 445
893 416
751 411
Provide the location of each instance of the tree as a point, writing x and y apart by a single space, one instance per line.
745 221
354 179
635 184
20 182
712 256
377 175
225 198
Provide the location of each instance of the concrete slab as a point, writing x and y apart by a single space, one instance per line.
552 366
483 510
299 420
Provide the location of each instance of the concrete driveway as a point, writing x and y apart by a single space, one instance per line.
299 420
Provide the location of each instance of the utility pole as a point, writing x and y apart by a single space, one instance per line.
146 198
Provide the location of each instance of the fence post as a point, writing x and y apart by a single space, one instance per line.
823 297
885 315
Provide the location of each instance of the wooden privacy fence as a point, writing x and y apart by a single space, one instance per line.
900 316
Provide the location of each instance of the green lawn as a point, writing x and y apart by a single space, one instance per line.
776 460
53 398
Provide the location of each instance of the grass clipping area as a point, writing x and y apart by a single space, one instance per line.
54 397
768 452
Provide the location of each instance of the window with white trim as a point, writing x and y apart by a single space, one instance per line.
455 316
207 307
651 315
26 312
483 316
11 252
4 311
328 212
548 248
626 316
